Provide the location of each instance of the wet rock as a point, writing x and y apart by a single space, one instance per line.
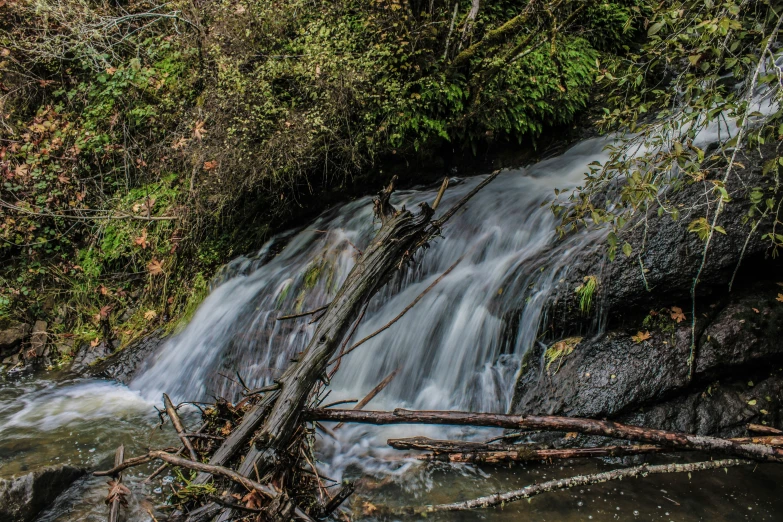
23 497
12 360
11 336
38 339
662 273
123 365
613 374
722 408
87 355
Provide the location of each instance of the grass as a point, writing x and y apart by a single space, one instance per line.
585 293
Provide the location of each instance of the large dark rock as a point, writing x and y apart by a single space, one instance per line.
613 375
671 256
121 365
87 355
22 498
11 336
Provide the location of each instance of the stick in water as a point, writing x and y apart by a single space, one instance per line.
175 420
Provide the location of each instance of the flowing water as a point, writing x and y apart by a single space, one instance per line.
458 348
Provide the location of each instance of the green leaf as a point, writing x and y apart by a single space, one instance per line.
627 249
655 28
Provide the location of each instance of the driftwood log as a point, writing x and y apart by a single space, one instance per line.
610 429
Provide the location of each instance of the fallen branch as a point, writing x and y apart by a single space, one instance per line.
566 483
117 495
468 448
370 396
527 454
760 428
163 466
177 422
230 474
553 423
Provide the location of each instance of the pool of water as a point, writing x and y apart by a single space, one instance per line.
49 420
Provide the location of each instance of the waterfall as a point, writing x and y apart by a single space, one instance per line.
459 347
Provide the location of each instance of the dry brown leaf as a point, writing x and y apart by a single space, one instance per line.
149 315
142 239
155 267
199 131
368 508
641 336
180 143
780 298
226 430
95 342
677 314
755 310
105 311
210 165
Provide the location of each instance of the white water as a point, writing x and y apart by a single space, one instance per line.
456 349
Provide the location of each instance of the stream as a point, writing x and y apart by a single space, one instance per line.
459 348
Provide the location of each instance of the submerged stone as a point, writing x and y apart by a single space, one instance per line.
23 497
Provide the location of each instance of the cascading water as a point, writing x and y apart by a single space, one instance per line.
455 349
459 348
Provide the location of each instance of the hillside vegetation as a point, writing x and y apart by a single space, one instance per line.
143 144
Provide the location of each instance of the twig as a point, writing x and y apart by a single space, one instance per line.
303 314
116 495
163 466
177 422
768 430
370 396
580 480
453 210
404 311
443 187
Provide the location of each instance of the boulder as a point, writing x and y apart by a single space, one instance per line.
613 375
23 497
38 339
88 355
663 271
123 365
11 336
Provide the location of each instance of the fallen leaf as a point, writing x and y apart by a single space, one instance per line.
142 239
752 402
103 290
677 314
149 315
179 144
155 267
199 131
111 70
210 165
226 430
105 311
571 435
368 508
641 336
94 343
780 298
755 310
